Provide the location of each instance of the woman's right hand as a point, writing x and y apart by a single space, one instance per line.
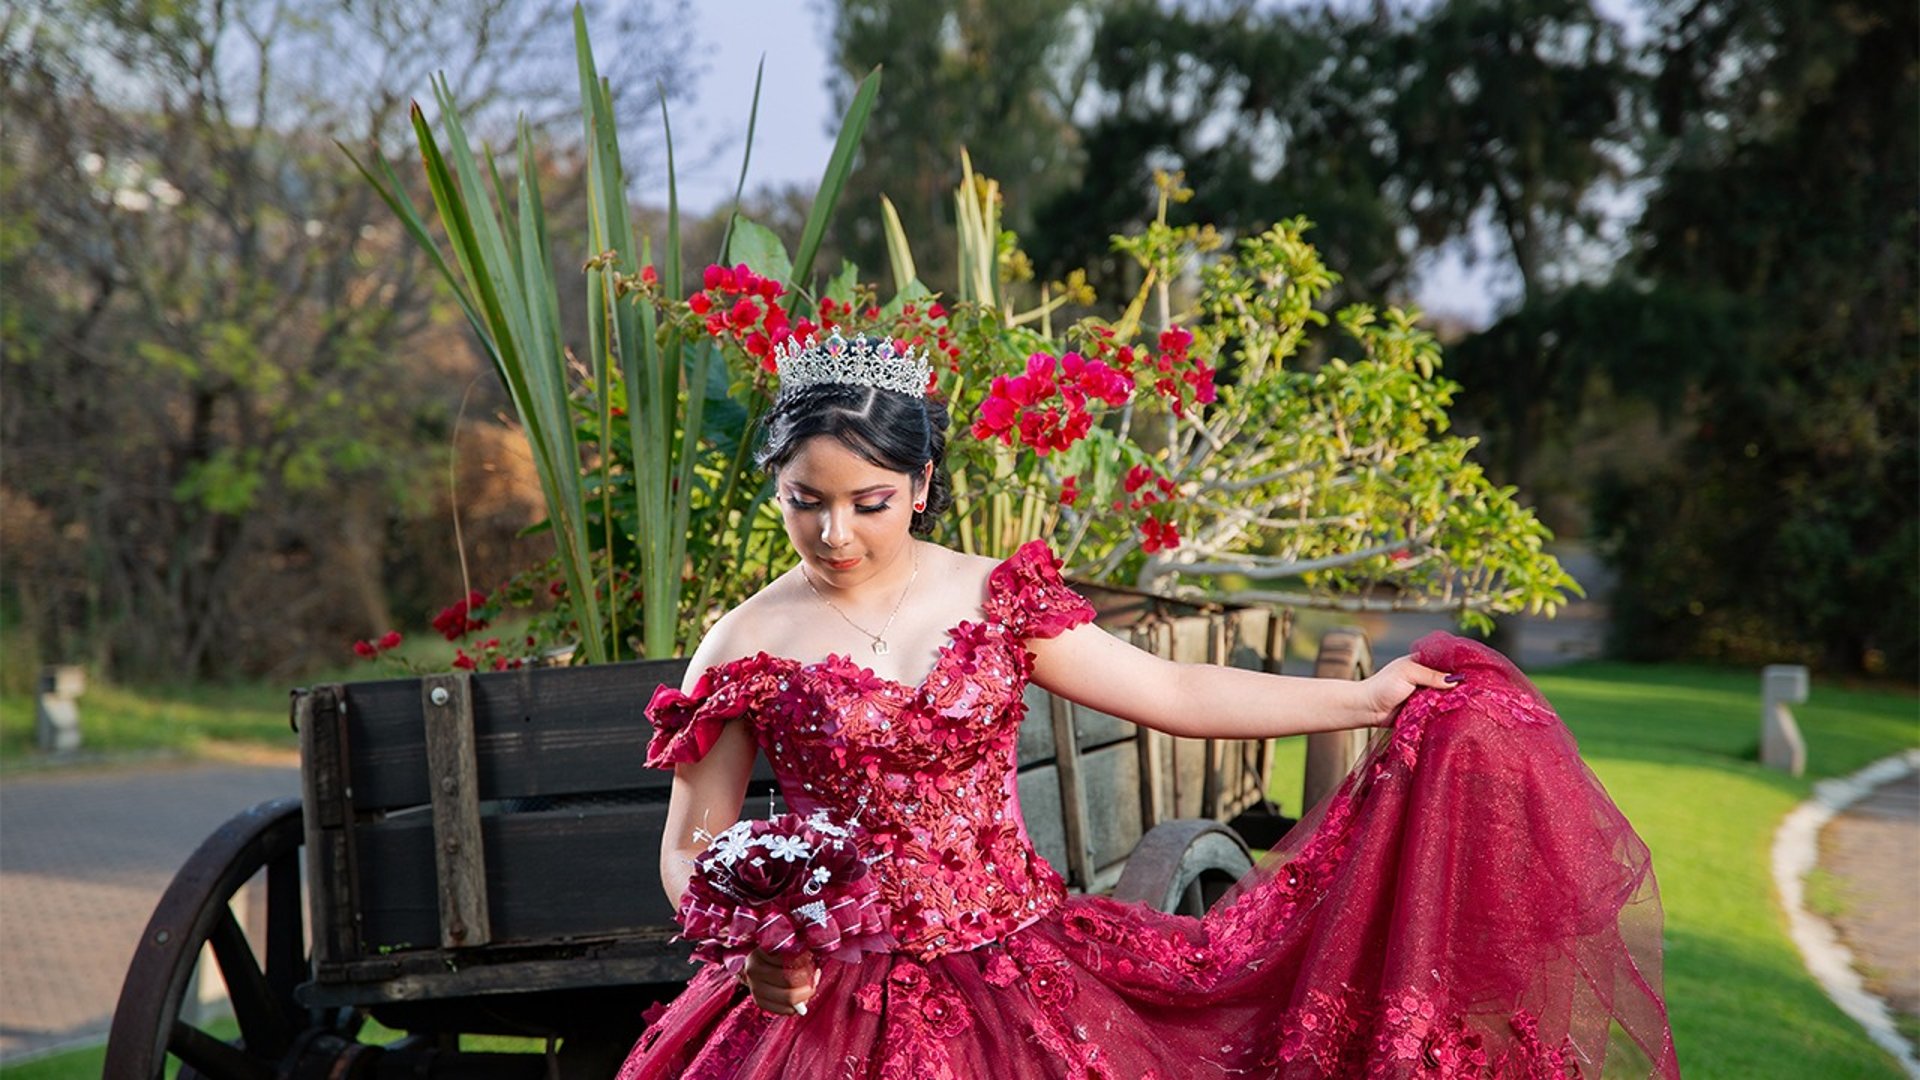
780 985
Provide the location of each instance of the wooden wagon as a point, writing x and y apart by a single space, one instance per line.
477 854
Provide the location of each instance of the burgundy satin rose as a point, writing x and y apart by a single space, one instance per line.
763 878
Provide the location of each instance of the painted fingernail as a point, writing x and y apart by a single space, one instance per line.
1454 679
801 1008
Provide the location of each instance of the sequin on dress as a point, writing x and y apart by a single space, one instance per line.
1469 903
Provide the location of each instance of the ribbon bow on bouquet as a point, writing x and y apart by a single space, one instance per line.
788 885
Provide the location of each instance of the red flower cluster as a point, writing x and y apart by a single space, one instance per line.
1181 377
488 654
740 304
458 619
1070 491
926 328
1178 376
1148 488
368 650
1157 535
1047 406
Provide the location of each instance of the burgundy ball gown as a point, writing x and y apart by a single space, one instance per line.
1469 903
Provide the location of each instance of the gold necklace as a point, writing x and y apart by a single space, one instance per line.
879 639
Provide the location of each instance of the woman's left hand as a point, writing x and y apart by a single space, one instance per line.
1387 688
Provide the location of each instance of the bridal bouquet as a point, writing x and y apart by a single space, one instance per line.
789 885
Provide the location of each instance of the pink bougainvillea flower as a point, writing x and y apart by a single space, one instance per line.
1157 535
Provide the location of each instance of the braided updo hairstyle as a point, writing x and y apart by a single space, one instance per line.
894 431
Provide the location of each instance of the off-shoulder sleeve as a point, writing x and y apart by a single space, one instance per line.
686 725
1026 595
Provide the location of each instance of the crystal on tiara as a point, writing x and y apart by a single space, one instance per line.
862 361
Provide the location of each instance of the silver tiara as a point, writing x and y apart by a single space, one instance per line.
863 361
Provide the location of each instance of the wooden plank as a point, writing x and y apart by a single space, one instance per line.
1247 638
1093 729
1036 730
551 875
1073 801
459 855
376 984
326 815
1188 643
1211 794
537 732
1154 747
1039 794
1110 778
1344 654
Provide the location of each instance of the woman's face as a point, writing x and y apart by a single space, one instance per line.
847 517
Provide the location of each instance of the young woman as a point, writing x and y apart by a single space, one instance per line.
1469 903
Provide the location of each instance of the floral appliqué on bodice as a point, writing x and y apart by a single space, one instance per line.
926 773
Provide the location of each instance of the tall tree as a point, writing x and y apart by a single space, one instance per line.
1787 525
996 78
212 394
1395 129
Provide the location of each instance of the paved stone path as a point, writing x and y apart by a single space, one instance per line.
1874 849
84 855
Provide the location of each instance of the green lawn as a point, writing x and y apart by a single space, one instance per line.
1676 748
117 722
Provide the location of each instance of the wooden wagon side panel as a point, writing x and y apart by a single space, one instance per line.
1191 643
538 732
1243 640
548 876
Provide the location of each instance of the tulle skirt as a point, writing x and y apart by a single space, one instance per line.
1469 903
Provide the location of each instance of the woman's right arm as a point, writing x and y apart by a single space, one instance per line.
707 795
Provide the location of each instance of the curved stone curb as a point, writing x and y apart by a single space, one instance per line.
1795 847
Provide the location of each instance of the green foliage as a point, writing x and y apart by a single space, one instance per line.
1397 129
643 494
1786 524
228 414
1337 480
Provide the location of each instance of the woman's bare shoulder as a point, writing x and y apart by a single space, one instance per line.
745 630
963 576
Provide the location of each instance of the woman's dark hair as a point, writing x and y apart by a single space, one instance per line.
895 431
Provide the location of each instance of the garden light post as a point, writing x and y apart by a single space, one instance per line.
56 713
1781 746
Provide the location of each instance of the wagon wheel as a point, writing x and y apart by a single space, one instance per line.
1184 865
275 1031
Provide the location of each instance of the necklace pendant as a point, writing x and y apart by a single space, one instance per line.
879 647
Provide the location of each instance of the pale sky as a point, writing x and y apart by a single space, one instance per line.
792 140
